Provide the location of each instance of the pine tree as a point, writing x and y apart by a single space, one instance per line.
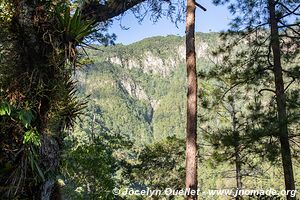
191 129
267 28
226 127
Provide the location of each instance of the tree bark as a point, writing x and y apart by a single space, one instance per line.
33 53
281 102
103 12
238 175
191 130
236 137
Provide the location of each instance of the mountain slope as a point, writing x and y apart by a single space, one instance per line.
139 89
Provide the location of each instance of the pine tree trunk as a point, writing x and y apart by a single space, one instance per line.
236 137
281 102
238 176
191 131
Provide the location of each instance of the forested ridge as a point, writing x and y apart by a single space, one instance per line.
84 118
143 102
145 81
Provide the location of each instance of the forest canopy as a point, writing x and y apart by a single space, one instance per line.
80 116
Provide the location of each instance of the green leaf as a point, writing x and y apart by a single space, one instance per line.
5 109
33 160
26 117
40 172
32 137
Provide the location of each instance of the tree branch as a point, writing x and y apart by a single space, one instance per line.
266 89
288 36
289 11
93 10
288 25
200 6
292 81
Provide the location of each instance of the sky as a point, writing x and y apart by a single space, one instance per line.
215 19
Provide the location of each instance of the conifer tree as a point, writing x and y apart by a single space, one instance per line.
191 129
270 31
227 127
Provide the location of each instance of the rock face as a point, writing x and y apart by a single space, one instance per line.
116 60
136 91
140 89
201 49
133 89
150 63
155 64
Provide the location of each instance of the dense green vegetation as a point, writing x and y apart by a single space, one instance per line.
116 109
86 121
40 46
